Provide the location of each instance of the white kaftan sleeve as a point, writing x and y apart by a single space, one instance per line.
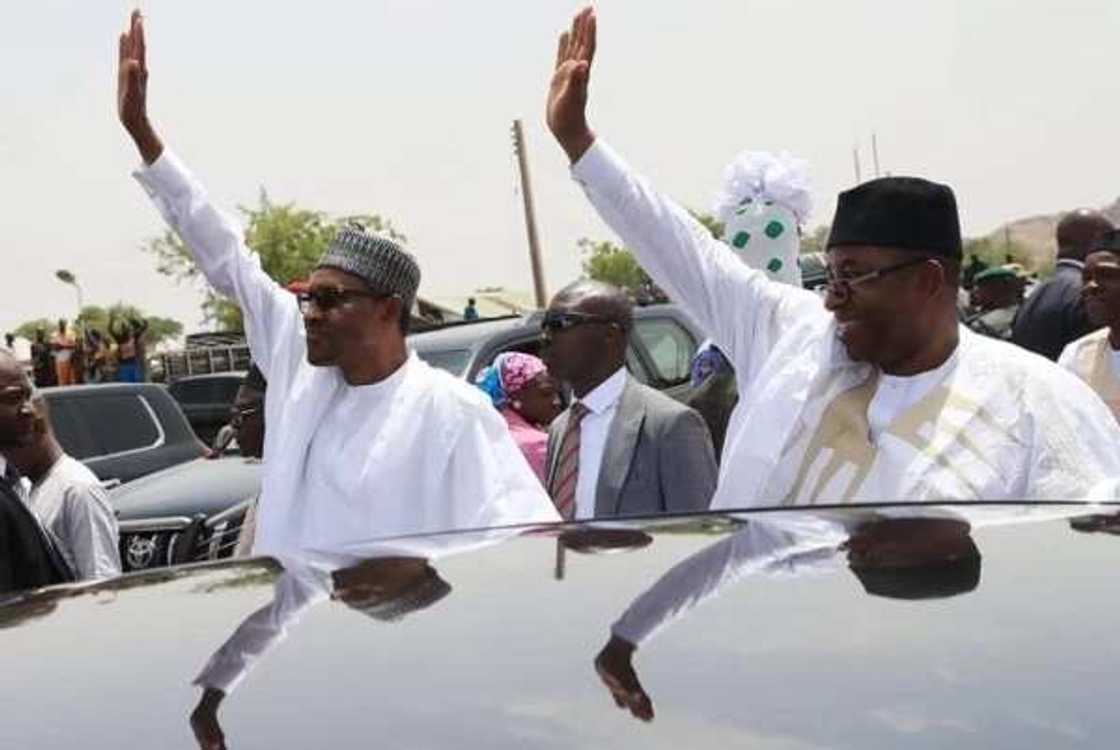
295 591
273 323
1075 446
488 479
91 531
1068 357
741 309
760 546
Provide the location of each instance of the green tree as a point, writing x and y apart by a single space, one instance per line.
995 251
288 240
27 330
94 316
610 263
159 329
613 264
815 241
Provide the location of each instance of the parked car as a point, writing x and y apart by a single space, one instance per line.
156 511
499 646
665 339
206 400
121 431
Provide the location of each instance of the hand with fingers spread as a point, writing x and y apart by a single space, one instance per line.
567 95
132 90
615 667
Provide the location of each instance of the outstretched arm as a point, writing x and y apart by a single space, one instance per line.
740 308
273 323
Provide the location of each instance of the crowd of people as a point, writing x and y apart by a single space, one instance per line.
77 354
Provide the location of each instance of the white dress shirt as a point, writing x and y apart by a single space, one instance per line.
602 403
998 423
421 451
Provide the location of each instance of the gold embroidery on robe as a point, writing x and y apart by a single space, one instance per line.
844 430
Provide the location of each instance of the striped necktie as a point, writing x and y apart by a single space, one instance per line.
564 479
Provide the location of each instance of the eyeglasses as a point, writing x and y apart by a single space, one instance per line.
328 298
555 320
841 286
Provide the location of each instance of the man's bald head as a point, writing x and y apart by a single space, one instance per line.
597 298
1078 231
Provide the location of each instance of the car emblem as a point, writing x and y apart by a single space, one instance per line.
141 550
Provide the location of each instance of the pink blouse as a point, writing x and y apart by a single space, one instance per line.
532 441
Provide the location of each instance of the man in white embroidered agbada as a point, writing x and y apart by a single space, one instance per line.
365 440
875 392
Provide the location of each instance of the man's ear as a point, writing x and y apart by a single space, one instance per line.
933 277
391 311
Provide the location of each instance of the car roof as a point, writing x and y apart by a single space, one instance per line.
78 391
789 658
465 335
469 334
234 374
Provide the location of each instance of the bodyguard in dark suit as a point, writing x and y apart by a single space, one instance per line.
1054 315
621 448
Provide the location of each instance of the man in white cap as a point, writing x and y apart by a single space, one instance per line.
364 439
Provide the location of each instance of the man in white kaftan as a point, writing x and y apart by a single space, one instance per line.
364 439
955 416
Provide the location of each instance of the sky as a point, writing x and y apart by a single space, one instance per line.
404 108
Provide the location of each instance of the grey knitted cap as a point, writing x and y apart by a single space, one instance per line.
384 265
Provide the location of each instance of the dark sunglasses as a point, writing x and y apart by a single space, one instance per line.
842 285
555 321
329 298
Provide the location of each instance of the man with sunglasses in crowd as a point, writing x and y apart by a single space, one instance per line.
364 439
875 392
621 448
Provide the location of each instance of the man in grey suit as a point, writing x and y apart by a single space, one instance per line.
621 448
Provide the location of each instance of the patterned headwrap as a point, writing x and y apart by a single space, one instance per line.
510 372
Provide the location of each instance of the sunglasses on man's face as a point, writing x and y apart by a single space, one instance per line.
328 298
555 320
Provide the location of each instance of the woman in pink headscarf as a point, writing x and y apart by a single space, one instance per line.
522 390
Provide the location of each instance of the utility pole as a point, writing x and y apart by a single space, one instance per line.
875 153
530 216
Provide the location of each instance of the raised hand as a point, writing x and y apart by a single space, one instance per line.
567 96
615 667
132 90
204 721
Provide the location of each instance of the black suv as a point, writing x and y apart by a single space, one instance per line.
661 347
121 431
206 400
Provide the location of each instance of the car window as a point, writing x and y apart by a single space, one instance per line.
92 427
636 367
453 361
670 347
207 391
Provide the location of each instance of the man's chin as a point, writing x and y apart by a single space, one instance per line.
317 357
